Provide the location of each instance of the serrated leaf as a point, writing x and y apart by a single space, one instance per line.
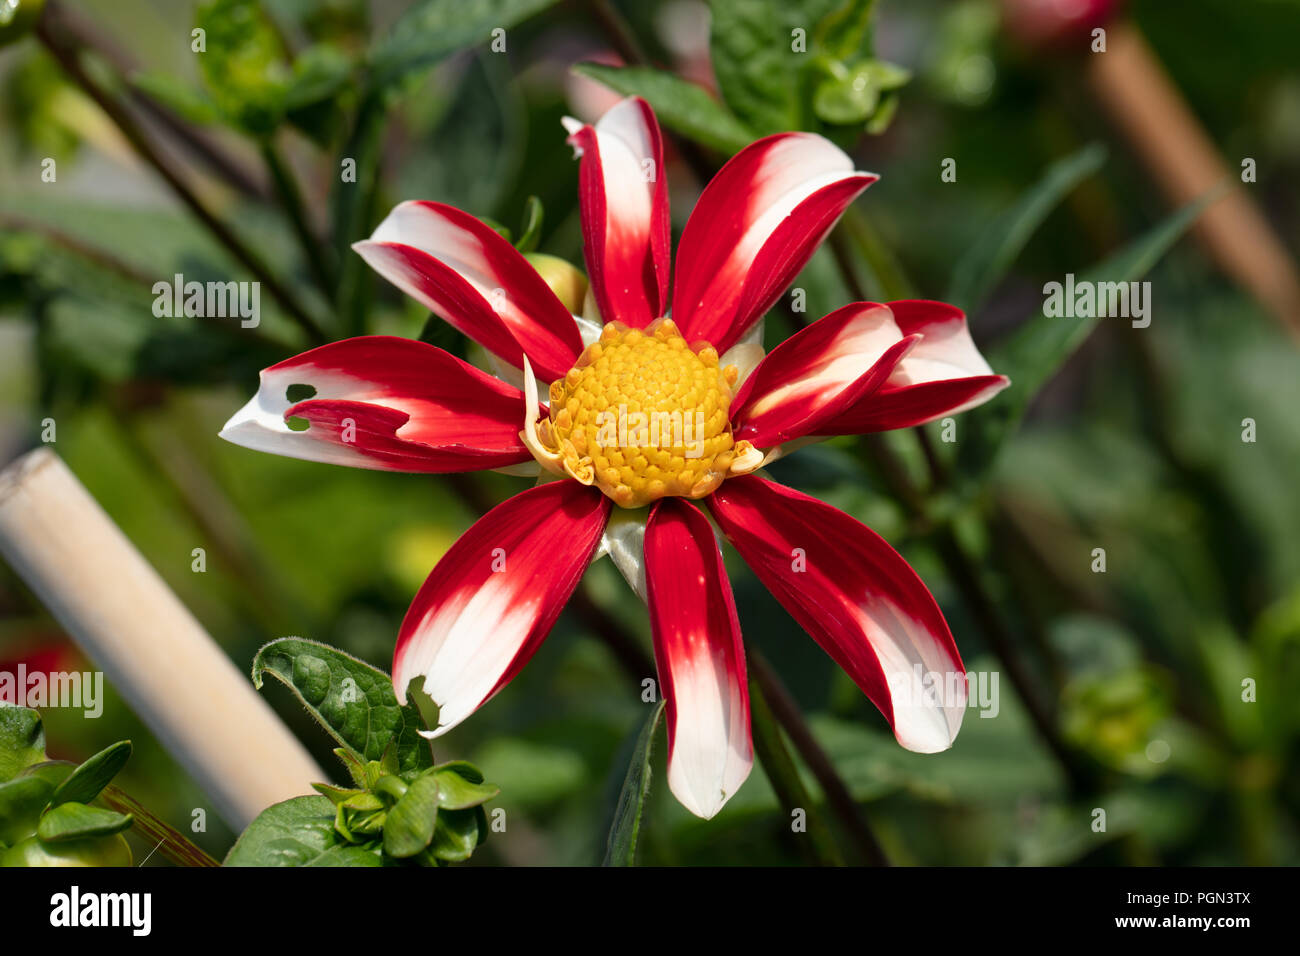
680 105
76 821
295 832
620 848
755 65
982 267
93 775
411 822
352 700
22 740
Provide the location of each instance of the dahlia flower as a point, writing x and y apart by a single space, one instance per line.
615 484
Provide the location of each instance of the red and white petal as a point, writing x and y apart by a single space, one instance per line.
624 198
387 403
818 372
756 225
700 656
943 375
494 596
858 599
463 270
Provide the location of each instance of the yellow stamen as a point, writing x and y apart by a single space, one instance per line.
642 415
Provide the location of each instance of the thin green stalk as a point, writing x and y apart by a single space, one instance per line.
170 842
778 699
313 248
782 773
858 232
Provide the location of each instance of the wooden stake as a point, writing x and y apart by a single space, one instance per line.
128 622
1156 120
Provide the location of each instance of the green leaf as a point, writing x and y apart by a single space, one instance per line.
348 855
756 68
1036 350
847 96
988 259
620 849
84 783
457 791
433 29
410 824
845 32
532 227
296 832
352 700
76 821
21 803
243 65
22 740
360 818
680 105
457 834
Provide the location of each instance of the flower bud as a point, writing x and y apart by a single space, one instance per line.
565 280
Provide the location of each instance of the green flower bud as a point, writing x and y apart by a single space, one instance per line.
110 851
565 280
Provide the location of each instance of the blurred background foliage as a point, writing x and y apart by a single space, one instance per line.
1129 695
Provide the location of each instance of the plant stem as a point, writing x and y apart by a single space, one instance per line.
841 801
965 576
66 54
73 23
782 773
171 843
313 247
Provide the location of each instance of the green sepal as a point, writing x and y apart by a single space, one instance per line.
457 792
69 822
84 784
412 820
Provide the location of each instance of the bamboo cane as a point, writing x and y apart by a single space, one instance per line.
128 622
1185 163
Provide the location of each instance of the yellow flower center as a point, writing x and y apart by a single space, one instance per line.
642 415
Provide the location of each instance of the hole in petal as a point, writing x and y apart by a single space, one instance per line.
299 392
297 424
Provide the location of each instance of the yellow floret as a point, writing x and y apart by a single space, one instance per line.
642 416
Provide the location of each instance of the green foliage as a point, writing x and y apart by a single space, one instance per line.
680 105
401 809
1040 347
988 259
433 29
352 700
620 847
45 813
